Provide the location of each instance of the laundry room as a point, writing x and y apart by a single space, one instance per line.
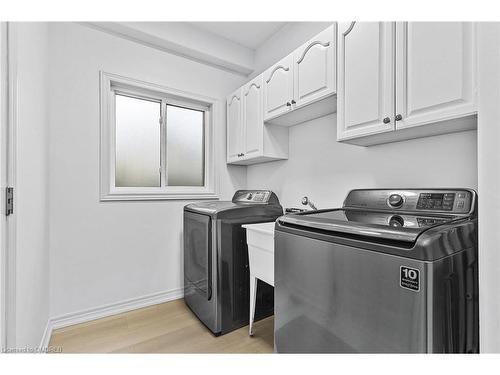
215 186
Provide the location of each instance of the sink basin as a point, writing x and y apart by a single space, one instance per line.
260 240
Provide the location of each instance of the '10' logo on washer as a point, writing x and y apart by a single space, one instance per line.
409 278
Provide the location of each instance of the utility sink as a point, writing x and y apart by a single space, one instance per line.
260 240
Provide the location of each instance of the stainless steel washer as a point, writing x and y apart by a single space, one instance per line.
393 270
216 274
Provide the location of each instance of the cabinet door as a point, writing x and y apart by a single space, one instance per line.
435 71
278 88
253 117
234 127
314 68
365 87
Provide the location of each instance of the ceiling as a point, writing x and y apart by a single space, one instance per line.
248 34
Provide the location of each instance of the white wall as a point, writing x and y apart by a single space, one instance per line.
105 252
489 185
326 170
31 193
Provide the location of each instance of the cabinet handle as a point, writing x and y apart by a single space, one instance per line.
288 104
386 120
293 101
398 118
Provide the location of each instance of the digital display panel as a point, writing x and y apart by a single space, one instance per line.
436 201
436 196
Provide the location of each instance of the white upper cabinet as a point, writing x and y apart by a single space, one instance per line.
249 140
253 122
314 69
278 88
435 71
296 89
234 126
365 96
405 80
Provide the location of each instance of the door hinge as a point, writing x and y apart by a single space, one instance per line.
9 201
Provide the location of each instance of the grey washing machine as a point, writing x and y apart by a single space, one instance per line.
216 273
393 270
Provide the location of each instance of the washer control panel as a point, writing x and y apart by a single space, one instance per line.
456 201
252 196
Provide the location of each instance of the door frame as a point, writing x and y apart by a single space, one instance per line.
3 126
8 121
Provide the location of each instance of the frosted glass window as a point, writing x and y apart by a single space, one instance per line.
155 143
185 147
137 142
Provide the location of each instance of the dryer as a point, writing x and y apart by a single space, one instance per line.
216 272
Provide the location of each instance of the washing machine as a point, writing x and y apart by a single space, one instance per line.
392 271
216 271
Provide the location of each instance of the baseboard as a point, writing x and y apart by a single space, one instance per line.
87 315
44 343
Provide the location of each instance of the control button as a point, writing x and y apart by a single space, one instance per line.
395 200
249 196
396 221
461 195
460 204
426 222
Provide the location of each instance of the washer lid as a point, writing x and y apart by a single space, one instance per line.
374 224
211 207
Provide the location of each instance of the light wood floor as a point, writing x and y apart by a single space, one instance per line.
166 328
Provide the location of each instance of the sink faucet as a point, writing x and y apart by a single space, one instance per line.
307 202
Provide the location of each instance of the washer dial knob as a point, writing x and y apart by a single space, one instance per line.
395 200
396 221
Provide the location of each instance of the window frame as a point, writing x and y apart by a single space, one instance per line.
110 84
